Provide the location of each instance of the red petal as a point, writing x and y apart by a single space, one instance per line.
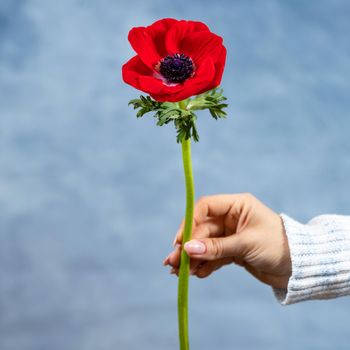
219 67
180 31
151 85
204 73
141 41
138 75
158 31
149 42
200 45
133 69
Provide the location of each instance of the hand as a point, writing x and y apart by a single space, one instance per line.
235 228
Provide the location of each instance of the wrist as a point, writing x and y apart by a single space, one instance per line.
286 256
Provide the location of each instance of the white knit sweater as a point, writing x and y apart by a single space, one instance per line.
320 254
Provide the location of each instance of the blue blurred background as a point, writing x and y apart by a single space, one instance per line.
91 197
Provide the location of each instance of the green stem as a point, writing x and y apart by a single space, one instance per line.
185 260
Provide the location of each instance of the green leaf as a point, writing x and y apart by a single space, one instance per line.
184 119
211 100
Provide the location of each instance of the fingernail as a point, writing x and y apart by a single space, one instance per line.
195 247
174 242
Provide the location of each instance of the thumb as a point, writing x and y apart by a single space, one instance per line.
213 248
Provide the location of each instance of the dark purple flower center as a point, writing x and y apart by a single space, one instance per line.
176 68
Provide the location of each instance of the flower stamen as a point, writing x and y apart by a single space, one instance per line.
176 68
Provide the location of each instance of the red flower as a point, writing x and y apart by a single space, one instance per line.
175 59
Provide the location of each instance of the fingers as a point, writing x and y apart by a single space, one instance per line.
216 220
207 268
214 206
215 248
209 252
178 236
179 233
213 227
173 258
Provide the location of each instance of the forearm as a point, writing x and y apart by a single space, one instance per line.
320 255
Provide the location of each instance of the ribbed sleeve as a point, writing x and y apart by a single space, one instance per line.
320 255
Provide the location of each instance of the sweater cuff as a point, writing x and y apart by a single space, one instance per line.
320 255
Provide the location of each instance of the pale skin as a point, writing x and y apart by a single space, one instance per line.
235 228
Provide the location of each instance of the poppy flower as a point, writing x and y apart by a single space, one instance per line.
176 59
